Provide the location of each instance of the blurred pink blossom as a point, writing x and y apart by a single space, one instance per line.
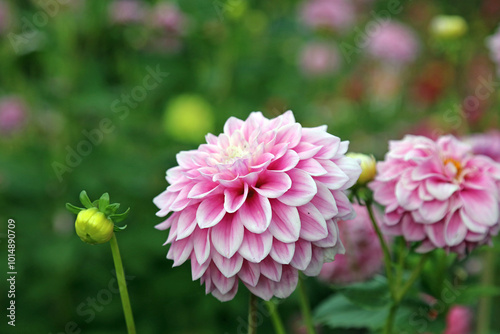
493 44
394 42
169 17
363 256
486 144
458 320
4 16
329 14
319 59
12 115
127 11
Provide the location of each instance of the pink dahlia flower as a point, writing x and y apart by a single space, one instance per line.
393 42
329 14
486 144
439 193
127 11
258 203
319 59
169 17
363 258
4 16
458 320
12 115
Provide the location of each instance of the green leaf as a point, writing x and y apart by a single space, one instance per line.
111 209
73 208
103 202
116 218
119 228
339 312
84 198
369 295
471 294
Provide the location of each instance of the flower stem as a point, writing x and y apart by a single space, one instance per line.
252 309
414 275
306 311
122 284
275 317
485 305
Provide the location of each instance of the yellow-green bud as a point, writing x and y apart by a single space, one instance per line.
93 227
368 166
448 26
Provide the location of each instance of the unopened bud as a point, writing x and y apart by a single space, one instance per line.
368 167
448 26
93 227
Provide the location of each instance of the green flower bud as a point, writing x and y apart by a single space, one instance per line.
448 26
93 227
368 167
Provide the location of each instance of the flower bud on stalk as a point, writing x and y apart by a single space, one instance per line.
95 223
368 167
448 26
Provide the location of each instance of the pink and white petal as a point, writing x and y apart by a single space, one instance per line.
182 201
290 134
471 224
273 184
412 231
232 124
307 150
197 269
211 211
313 224
436 234
288 283
222 283
282 252
325 202
165 200
481 206
351 168
203 189
346 211
317 260
441 190
228 267
336 177
333 234
302 256
285 222
180 251
271 269
235 197
425 247
227 236
226 296
287 162
407 198
454 229
263 289
249 273
302 191
433 211
168 222
312 167
255 247
255 213
187 222
201 242
172 235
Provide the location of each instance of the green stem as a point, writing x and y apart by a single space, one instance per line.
122 284
385 250
275 317
389 324
485 304
252 310
414 275
306 311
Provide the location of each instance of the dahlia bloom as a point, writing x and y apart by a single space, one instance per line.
363 258
493 44
12 115
258 203
169 17
458 320
486 144
328 14
127 11
393 42
319 59
438 193
4 16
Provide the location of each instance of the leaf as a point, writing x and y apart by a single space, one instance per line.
103 202
119 228
73 208
116 218
471 294
84 198
111 209
339 312
369 295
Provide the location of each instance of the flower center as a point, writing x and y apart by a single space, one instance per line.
234 153
453 166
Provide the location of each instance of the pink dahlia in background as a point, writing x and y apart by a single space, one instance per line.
486 144
319 59
458 320
169 17
363 258
258 203
127 11
12 115
493 44
393 42
328 14
439 193
4 16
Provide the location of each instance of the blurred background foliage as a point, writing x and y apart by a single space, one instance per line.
65 66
